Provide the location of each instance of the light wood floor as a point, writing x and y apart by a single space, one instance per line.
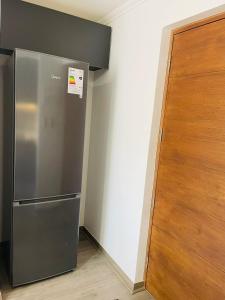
93 280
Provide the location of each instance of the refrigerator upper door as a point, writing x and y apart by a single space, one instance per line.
49 126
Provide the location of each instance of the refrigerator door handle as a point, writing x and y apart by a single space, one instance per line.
39 202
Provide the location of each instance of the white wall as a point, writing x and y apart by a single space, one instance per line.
123 136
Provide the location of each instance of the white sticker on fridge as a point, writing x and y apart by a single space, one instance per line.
75 81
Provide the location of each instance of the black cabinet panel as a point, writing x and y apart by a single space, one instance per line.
32 27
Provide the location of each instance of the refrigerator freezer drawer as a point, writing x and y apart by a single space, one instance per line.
45 237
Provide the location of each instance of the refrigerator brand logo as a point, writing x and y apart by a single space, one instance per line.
55 77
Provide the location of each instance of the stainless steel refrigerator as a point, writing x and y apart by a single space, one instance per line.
44 137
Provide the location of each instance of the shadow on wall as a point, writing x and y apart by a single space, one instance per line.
100 147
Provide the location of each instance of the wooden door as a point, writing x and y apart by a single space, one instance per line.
187 245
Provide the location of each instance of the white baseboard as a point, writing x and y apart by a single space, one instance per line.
133 287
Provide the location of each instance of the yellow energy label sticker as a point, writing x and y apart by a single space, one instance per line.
75 81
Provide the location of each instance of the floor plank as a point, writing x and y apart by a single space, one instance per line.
93 279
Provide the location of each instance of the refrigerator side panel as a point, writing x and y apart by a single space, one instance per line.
8 157
49 127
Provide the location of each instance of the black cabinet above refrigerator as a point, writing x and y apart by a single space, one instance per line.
36 28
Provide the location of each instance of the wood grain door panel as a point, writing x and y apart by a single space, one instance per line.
187 245
199 50
175 181
173 272
199 97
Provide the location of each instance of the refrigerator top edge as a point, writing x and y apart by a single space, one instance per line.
51 55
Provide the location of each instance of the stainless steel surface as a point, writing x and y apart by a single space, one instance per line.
49 127
2 57
45 237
